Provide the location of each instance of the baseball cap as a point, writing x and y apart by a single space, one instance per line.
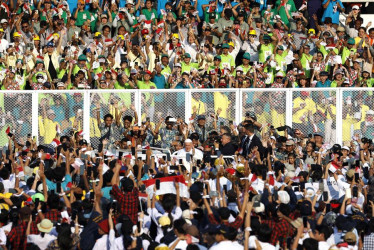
187 55
355 7
351 173
351 41
16 34
212 15
164 221
3 21
225 46
217 57
350 237
82 58
324 73
247 56
340 28
201 117
98 35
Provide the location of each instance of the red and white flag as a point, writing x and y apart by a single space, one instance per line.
167 186
55 143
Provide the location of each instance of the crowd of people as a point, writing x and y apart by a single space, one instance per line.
155 181
184 44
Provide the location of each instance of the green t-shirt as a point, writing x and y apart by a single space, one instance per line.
281 60
305 62
148 14
82 17
290 5
227 61
188 67
346 52
143 85
265 52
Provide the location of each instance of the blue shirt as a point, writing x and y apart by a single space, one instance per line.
52 185
332 11
321 85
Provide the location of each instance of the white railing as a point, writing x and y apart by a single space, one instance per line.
239 101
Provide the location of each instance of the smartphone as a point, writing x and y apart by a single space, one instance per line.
92 195
114 205
198 162
36 203
144 151
58 187
225 188
157 184
89 172
355 191
164 157
325 196
218 153
296 189
188 157
231 122
168 158
133 150
180 161
321 186
174 167
145 167
357 163
302 186
194 169
81 170
305 221
148 119
357 177
74 214
328 207
345 164
120 155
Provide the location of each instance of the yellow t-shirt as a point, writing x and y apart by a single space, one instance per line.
347 127
364 109
278 120
49 130
94 128
221 101
200 106
310 106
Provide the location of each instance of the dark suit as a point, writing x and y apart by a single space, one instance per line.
228 149
248 144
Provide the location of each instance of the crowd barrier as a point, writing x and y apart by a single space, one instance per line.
337 113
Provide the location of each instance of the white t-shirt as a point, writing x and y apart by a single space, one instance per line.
41 242
182 244
264 245
323 245
227 244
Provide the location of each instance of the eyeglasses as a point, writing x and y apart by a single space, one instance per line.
25 27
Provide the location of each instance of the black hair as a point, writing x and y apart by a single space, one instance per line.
108 115
326 231
64 236
224 213
284 209
127 118
264 233
126 230
310 243
53 201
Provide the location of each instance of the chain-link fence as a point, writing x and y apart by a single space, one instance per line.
59 114
357 115
311 111
15 114
315 112
159 105
121 105
221 103
268 107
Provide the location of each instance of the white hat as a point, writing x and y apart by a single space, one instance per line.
177 65
355 7
239 69
259 209
346 148
310 192
280 73
370 112
133 71
283 197
3 21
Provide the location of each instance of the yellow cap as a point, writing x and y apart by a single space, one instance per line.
121 37
1 30
56 35
97 34
231 44
252 32
164 221
311 31
36 38
16 34
176 35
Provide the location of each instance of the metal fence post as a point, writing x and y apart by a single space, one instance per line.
239 106
86 114
35 115
187 107
138 105
289 105
339 116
